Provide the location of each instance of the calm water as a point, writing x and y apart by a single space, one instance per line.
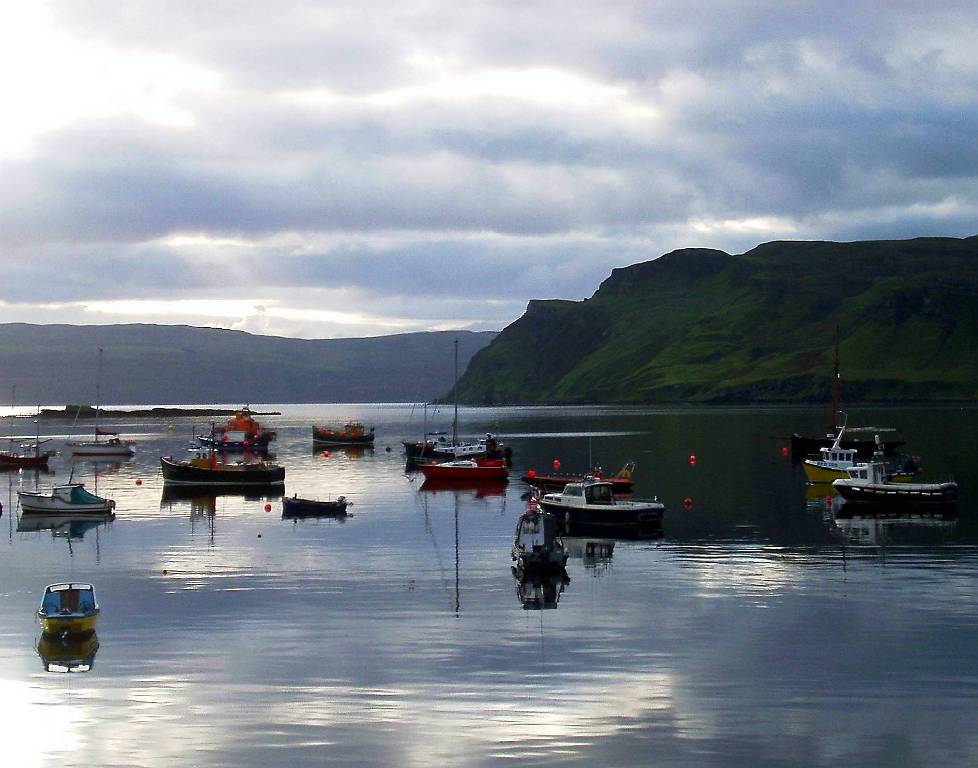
755 632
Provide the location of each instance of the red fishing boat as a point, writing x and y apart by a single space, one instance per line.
467 470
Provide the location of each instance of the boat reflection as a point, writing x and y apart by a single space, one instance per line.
352 452
71 527
203 498
882 529
481 489
74 653
591 551
536 591
100 465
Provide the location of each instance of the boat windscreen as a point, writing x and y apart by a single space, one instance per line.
81 496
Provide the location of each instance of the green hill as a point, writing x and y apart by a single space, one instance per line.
705 326
148 364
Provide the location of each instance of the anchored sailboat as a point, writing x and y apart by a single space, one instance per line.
111 447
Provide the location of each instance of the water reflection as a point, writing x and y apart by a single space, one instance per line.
538 591
203 499
881 530
69 654
352 452
481 489
71 527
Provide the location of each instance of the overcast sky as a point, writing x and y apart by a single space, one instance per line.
347 169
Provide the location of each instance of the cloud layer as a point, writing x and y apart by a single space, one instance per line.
323 170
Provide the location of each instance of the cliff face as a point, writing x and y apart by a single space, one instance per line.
702 325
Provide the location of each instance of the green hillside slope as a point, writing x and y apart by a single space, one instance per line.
702 325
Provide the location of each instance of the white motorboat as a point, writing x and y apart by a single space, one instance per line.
868 483
592 503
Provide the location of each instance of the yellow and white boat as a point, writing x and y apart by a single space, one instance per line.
835 462
68 608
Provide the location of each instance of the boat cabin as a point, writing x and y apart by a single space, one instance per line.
536 531
68 598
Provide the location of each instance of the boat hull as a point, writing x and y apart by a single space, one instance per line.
557 482
899 495
622 514
295 507
36 503
100 449
17 460
479 474
81 624
184 473
326 436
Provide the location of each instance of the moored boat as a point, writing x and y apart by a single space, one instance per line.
30 457
466 470
114 446
867 484
621 482
71 498
68 608
834 463
242 432
209 471
537 546
296 507
592 503
352 433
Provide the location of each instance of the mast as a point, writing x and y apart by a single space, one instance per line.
455 421
835 382
98 393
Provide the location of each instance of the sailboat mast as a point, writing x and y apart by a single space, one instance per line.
98 393
455 421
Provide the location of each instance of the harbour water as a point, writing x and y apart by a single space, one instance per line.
757 631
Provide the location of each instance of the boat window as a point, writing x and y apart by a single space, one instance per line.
862 474
573 490
599 494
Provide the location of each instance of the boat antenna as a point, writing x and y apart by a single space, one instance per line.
835 381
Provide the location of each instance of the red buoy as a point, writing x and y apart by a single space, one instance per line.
556 463
692 458
784 450
531 473
687 502
268 507
139 482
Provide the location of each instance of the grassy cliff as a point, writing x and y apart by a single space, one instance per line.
703 325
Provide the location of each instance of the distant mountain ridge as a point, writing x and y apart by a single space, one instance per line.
701 325
150 364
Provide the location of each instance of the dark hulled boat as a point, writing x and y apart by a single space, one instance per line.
352 433
210 471
296 507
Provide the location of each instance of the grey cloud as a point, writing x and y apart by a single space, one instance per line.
847 119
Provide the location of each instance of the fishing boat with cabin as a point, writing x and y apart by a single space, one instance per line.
868 484
352 433
242 432
209 470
